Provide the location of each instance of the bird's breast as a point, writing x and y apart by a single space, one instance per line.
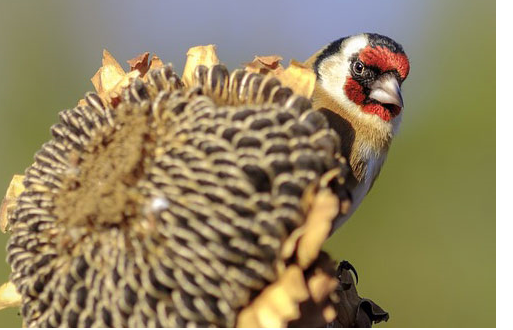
371 170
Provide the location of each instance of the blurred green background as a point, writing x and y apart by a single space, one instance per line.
424 239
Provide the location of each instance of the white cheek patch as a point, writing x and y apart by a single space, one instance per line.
333 70
336 68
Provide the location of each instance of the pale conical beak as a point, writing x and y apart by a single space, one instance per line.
387 91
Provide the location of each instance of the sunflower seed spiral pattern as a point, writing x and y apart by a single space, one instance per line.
171 209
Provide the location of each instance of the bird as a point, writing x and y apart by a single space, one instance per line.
358 88
172 206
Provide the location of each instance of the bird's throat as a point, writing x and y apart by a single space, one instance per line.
363 136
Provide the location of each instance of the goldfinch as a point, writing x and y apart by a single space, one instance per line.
358 89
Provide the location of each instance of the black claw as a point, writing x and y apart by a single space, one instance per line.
347 266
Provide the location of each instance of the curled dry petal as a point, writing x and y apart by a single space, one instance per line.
317 227
155 62
140 63
299 78
9 202
278 303
108 75
265 64
9 297
110 79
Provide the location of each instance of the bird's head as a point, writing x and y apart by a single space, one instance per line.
363 74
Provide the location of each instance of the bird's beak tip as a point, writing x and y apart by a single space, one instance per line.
387 91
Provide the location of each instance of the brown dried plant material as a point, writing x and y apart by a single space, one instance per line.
155 62
9 202
110 79
307 240
140 63
265 64
9 297
320 285
317 227
278 303
320 308
108 75
295 298
199 55
298 76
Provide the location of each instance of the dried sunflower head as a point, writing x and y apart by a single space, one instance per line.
171 205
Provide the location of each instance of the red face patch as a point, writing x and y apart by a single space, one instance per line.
378 109
386 60
354 92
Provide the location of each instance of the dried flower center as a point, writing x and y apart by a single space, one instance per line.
99 191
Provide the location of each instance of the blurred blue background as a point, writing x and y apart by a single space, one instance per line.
424 239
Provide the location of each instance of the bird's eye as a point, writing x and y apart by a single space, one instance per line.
358 67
